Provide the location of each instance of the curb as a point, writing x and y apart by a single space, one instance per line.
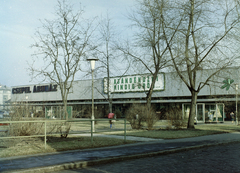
83 164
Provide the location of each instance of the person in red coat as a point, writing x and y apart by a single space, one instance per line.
110 116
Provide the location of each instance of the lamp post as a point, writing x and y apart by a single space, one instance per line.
27 106
92 62
236 104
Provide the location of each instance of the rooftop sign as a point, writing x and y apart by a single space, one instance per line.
135 83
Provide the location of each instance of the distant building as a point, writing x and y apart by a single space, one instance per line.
5 96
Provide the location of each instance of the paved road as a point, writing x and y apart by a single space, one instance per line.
219 159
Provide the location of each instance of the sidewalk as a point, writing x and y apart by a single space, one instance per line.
83 158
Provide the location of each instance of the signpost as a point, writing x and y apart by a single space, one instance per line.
227 84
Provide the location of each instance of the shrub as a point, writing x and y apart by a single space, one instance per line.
118 113
137 114
18 113
174 115
23 129
64 129
152 117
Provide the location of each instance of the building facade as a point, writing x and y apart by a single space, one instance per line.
169 90
5 96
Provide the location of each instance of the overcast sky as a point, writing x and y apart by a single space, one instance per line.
19 19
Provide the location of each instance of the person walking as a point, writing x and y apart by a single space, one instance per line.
110 116
113 121
232 116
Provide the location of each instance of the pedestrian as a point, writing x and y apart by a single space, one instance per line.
232 116
110 116
137 116
113 121
210 115
110 122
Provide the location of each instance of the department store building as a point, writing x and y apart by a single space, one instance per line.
169 90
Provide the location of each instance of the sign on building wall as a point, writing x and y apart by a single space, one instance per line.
136 83
35 89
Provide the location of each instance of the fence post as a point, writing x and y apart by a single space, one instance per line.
125 130
45 133
92 131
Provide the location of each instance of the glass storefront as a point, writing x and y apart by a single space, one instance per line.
206 112
53 112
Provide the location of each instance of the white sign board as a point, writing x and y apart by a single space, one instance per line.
136 83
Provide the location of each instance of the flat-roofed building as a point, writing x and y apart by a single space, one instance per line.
169 90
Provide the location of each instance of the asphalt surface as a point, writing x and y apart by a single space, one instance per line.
82 158
219 159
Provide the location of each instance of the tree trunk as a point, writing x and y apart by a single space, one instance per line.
149 98
65 109
149 94
192 114
110 105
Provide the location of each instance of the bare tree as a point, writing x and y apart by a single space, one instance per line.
148 50
108 55
62 44
203 40
105 51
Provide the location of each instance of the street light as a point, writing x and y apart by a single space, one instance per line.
92 61
27 105
236 104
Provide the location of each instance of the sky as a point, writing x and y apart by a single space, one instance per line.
19 20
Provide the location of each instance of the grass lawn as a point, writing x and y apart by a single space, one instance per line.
200 130
28 146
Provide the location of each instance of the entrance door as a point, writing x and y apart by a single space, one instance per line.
200 117
186 110
210 110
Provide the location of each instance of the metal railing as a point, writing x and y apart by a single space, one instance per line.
92 131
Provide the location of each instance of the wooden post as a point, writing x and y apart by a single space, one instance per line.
125 130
